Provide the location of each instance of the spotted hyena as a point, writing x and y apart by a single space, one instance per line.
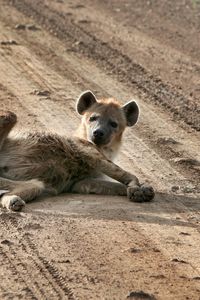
33 163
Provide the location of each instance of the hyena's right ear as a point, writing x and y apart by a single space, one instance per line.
85 101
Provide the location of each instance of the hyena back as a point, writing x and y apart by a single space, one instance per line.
33 163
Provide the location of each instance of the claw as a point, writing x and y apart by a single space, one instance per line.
16 204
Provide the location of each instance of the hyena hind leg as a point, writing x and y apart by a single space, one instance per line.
20 192
7 122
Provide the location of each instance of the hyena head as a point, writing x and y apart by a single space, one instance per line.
104 121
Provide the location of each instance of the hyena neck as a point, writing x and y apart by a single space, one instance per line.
81 132
110 151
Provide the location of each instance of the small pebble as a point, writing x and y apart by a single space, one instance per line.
138 295
42 93
20 27
32 27
9 42
175 188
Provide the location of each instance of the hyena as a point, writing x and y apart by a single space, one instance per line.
34 163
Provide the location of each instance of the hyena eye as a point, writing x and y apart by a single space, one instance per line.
113 124
93 118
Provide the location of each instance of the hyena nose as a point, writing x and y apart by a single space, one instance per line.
98 133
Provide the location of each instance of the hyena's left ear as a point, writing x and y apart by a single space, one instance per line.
131 111
85 101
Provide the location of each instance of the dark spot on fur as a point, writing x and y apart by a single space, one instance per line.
5 169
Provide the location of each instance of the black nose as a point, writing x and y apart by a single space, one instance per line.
98 133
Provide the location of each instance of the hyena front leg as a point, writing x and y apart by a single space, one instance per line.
99 187
7 122
135 191
20 192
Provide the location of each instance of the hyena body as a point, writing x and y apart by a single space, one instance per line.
33 163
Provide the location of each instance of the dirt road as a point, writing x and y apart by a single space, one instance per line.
95 247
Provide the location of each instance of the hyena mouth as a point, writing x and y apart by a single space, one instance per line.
100 141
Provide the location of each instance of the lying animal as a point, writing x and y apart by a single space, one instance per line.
33 163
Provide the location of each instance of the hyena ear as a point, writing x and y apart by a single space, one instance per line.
131 111
85 101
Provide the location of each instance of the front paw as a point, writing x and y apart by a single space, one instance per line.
12 202
143 193
16 203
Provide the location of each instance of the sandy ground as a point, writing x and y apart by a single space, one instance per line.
99 247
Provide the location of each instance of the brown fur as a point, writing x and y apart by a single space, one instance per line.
110 107
33 163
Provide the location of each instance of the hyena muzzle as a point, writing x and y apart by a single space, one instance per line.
34 163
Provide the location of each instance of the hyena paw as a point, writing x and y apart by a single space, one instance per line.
143 193
12 202
7 117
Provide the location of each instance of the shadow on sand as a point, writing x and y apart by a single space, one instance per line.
166 209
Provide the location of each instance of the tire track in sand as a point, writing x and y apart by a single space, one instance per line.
23 264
